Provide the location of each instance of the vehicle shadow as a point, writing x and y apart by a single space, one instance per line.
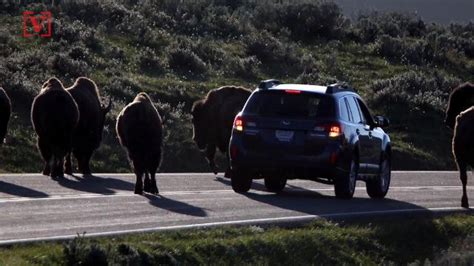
16 190
306 201
95 184
314 203
176 206
255 185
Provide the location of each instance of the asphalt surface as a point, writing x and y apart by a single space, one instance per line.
35 207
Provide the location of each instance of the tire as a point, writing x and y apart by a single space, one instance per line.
344 185
275 183
240 181
377 188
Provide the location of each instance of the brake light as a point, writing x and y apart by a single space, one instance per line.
239 123
293 91
333 130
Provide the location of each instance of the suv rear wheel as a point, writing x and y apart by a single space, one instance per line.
275 183
344 185
240 181
378 187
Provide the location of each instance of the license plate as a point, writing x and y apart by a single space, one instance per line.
284 135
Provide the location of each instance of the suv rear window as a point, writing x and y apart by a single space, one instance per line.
283 104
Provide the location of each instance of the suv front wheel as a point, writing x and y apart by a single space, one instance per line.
344 185
377 188
240 181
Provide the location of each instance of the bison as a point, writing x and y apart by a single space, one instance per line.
460 116
54 115
139 128
212 119
5 112
88 134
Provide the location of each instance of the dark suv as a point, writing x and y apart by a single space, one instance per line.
320 133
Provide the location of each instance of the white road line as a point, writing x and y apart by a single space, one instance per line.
287 219
198 192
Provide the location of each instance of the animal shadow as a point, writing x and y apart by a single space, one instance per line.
95 184
176 206
16 190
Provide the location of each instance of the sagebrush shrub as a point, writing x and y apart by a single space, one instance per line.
187 62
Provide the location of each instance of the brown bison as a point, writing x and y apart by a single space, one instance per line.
212 120
88 134
54 115
5 111
139 128
460 116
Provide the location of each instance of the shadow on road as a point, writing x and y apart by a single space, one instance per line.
20 191
307 201
95 184
255 185
314 203
175 206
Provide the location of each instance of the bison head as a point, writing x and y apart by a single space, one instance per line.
461 98
53 83
201 123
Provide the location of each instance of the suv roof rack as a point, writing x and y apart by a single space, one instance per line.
266 84
339 87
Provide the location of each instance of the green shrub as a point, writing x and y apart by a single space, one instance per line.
411 97
149 62
187 63
82 252
246 68
276 57
403 50
368 27
306 21
64 66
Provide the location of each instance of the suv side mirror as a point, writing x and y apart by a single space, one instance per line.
381 121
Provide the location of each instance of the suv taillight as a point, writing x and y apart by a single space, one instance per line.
332 129
238 123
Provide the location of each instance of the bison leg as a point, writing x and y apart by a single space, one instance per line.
139 173
210 153
463 175
46 154
57 169
147 184
84 164
154 188
68 164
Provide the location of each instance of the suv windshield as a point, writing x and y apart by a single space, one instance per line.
283 104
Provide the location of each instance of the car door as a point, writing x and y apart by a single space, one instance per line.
372 138
361 132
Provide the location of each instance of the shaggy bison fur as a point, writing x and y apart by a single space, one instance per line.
5 111
54 115
460 99
460 116
139 128
212 120
88 133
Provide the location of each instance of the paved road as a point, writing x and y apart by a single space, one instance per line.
36 207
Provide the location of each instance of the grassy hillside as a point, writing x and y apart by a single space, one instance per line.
420 241
176 52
